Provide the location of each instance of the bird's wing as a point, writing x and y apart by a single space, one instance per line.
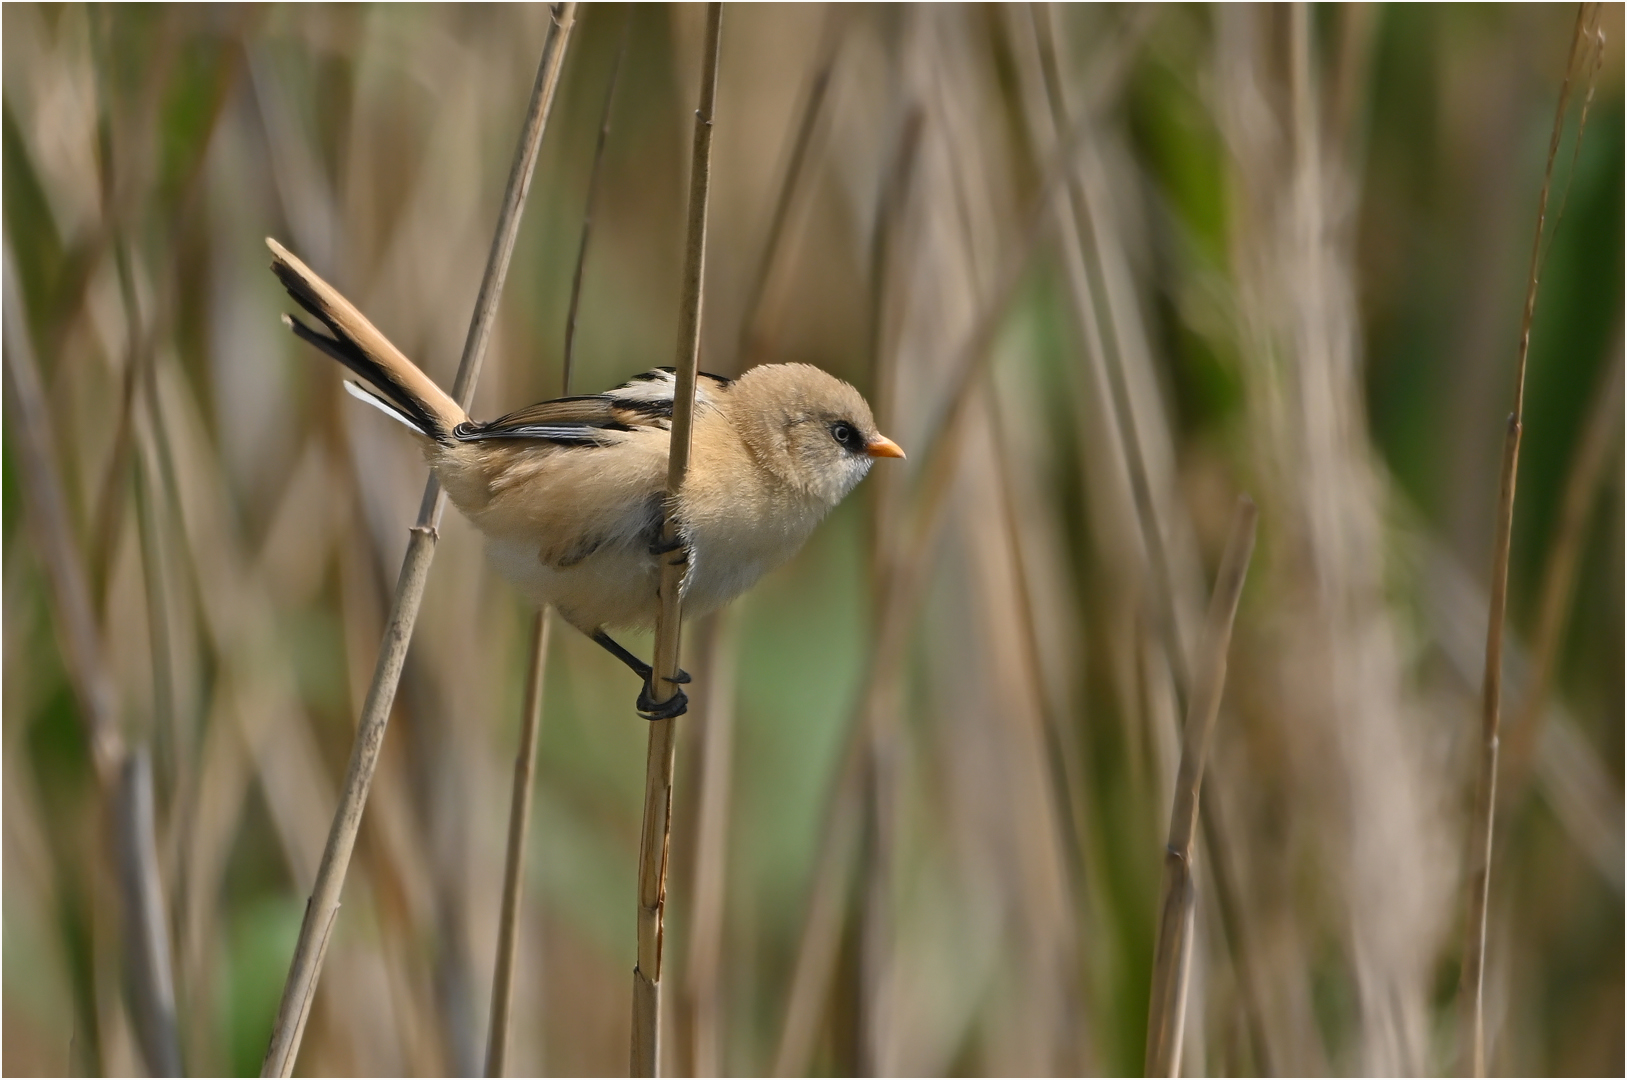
595 419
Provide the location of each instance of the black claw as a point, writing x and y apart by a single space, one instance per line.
649 710
643 671
661 547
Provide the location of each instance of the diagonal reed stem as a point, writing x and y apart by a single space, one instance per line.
750 345
592 198
323 906
1472 978
657 828
1166 1011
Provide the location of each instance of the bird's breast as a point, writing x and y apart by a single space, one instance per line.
735 538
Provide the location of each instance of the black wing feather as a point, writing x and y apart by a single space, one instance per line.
584 420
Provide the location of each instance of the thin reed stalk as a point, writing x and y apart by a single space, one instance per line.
146 920
1083 220
820 939
592 198
502 996
519 825
1172 957
1472 982
108 514
657 826
903 580
123 774
323 907
49 515
750 347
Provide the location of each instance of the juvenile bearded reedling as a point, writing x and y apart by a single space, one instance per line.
571 493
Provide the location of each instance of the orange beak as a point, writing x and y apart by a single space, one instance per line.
882 446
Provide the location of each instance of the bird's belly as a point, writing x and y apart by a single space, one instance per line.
613 587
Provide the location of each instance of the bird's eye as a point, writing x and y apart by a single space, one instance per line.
846 434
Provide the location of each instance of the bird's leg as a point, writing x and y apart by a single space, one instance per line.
645 705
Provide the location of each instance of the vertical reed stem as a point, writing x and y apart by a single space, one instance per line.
323 906
1472 980
656 833
1166 1012
502 993
519 825
904 576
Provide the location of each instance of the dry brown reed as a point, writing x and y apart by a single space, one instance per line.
1172 959
904 573
519 825
317 925
1580 64
123 772
749 349
655 834
574 307
502 997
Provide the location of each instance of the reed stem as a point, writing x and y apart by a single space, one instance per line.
1172 956
567 364
519 825
502 993
123 774
323 906
1472 979
657 828
813 105
903 577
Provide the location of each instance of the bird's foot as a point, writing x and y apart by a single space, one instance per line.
662 547
649 710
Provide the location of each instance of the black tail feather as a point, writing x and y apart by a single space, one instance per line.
337 344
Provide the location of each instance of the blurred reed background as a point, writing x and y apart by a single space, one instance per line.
923 793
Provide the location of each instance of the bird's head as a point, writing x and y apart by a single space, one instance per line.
811 429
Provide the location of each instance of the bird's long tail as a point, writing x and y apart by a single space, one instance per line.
395 384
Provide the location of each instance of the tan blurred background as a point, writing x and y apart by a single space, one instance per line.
922 795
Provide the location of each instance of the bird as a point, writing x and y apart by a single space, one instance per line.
570 494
